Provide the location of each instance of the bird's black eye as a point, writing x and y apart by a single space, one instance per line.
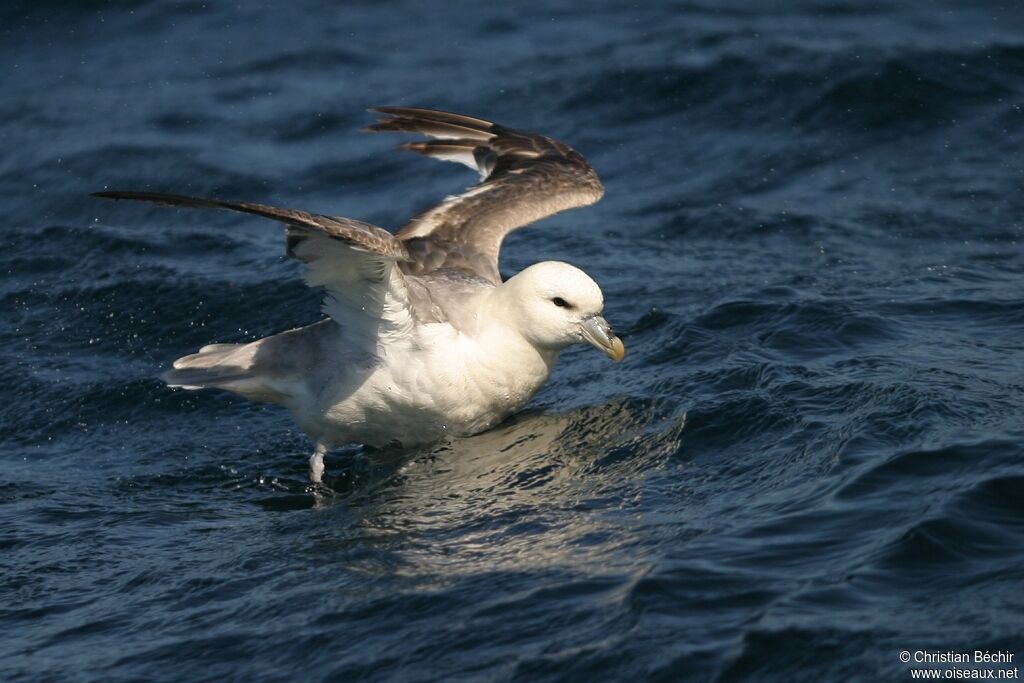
561 303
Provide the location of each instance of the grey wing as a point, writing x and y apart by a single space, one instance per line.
356 263
524 177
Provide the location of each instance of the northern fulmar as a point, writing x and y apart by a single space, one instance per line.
423 340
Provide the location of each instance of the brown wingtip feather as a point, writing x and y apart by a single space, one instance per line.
382 126
426 146
411 147
436 115
159 198
432 123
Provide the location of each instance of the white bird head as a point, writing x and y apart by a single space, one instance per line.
555 305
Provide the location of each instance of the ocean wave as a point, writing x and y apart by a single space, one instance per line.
857 91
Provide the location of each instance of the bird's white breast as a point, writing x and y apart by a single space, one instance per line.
440 382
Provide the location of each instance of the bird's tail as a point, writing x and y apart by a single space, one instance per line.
223 366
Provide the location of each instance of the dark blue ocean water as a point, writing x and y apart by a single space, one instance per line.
812 458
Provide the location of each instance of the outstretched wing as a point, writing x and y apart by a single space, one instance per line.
524 177
355 262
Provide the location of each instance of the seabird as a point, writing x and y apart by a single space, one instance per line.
423 339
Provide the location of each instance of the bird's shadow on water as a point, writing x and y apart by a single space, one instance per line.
531 451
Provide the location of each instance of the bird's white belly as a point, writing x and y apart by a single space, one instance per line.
449 387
